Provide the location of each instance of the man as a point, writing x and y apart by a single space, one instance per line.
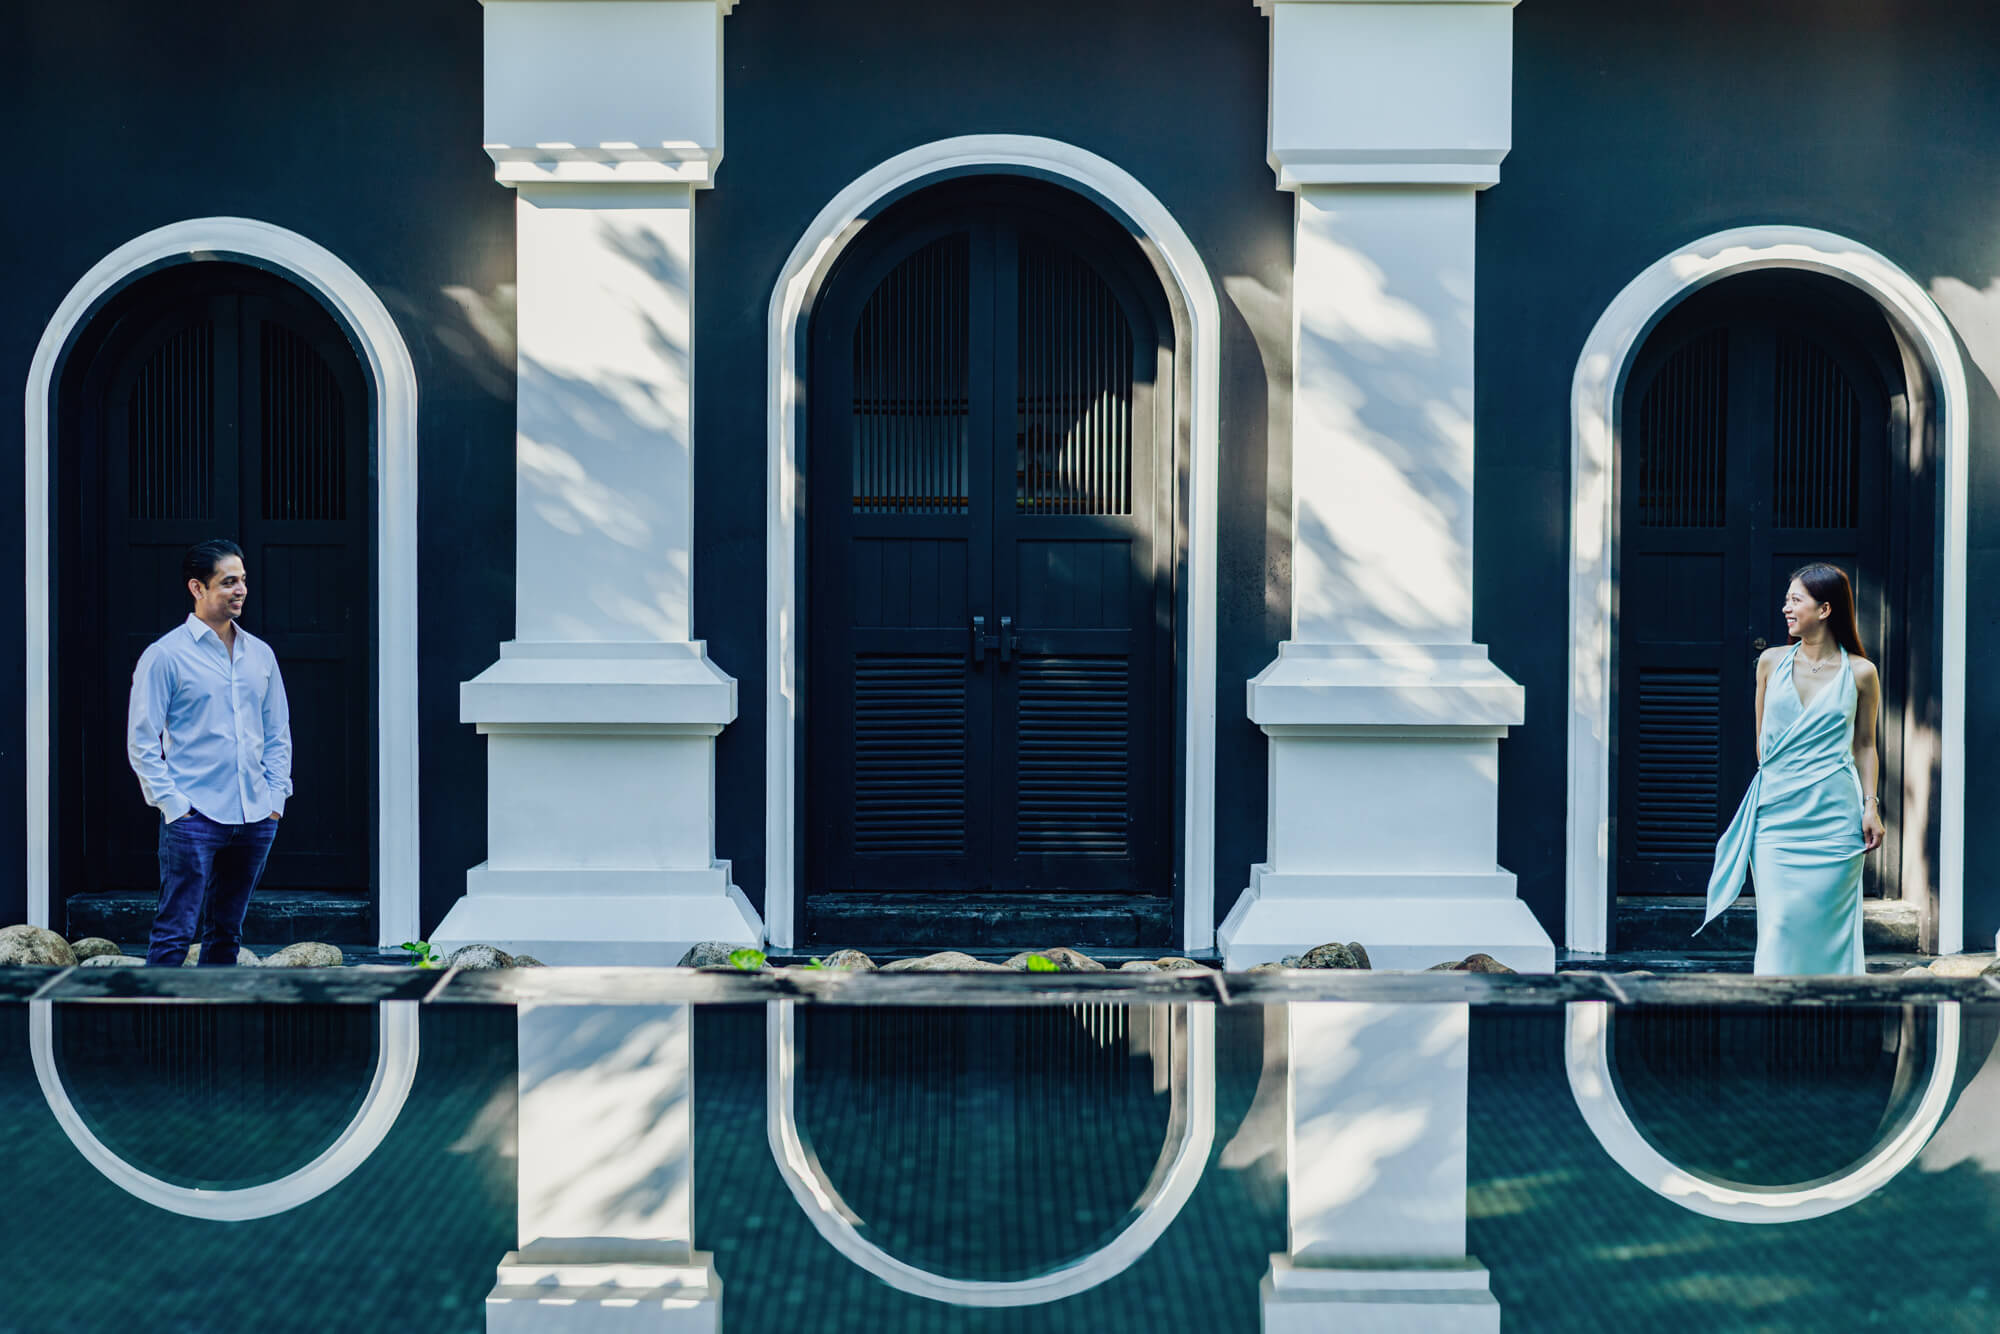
210 736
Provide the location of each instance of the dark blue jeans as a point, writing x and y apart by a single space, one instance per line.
207 871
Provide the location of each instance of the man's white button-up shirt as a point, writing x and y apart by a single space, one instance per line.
209 729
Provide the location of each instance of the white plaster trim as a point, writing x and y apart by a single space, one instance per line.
394 430
785 400
1174 1177
1596 396
395 1072
1593 1082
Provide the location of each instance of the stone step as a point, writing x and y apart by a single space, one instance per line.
1666 924
275 917
902 924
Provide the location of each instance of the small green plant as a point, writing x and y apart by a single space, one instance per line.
747 959
814 962
1042 963
422 955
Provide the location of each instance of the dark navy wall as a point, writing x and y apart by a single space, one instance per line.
357 125
1635 131
820 91
1641 127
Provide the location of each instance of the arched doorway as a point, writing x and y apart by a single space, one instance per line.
202 400
1766 424
990 626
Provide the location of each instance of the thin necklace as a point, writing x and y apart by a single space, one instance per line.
1815 667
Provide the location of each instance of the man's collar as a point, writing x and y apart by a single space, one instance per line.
197 627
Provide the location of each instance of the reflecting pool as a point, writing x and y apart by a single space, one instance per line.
1103 1161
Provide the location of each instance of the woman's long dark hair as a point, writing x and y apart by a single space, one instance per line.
1828 584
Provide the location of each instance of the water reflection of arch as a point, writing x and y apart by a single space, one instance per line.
1190 1135
1593 1081
395 1071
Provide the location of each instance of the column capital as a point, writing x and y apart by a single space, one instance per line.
1390 92
604 92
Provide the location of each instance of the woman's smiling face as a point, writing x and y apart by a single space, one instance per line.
1801 611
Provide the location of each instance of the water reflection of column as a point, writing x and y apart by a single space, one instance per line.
1375 1176
606 1177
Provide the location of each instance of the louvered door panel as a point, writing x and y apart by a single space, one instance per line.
899 720
1074 789
1684 653
1816 446
909 756
170 429
1682 451
911 423
1075 397
302 412
1078 797
304 525
168 434
1679 765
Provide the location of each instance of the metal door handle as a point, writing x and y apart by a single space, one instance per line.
981 641
1758 645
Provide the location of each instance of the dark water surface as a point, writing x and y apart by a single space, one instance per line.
1098 1166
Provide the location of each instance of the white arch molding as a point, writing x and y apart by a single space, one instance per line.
810 260
1940 403
1190 1134
1593 1083
393 434
395 1072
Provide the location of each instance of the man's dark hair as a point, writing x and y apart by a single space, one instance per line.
201 559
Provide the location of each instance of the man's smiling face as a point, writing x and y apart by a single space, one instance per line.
222 597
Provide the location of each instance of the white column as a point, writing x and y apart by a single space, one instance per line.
605 1177
1375 1176
601 714
1384 717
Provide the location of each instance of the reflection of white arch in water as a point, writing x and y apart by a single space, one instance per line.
1190 1134
395 1071
1587 1052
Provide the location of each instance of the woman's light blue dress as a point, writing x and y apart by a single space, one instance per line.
1799 831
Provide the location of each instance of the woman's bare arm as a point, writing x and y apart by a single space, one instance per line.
1764 665
1867 761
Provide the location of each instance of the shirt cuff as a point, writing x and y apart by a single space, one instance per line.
173 806
277 805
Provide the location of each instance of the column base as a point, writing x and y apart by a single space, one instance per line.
1406 922
584 1298
1417 1299
600 801
613 917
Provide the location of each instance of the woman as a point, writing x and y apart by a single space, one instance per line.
1810 815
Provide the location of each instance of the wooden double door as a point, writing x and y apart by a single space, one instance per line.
991 618
1760 432
214 400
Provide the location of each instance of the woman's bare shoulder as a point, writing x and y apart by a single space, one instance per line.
1771 657
1864 672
